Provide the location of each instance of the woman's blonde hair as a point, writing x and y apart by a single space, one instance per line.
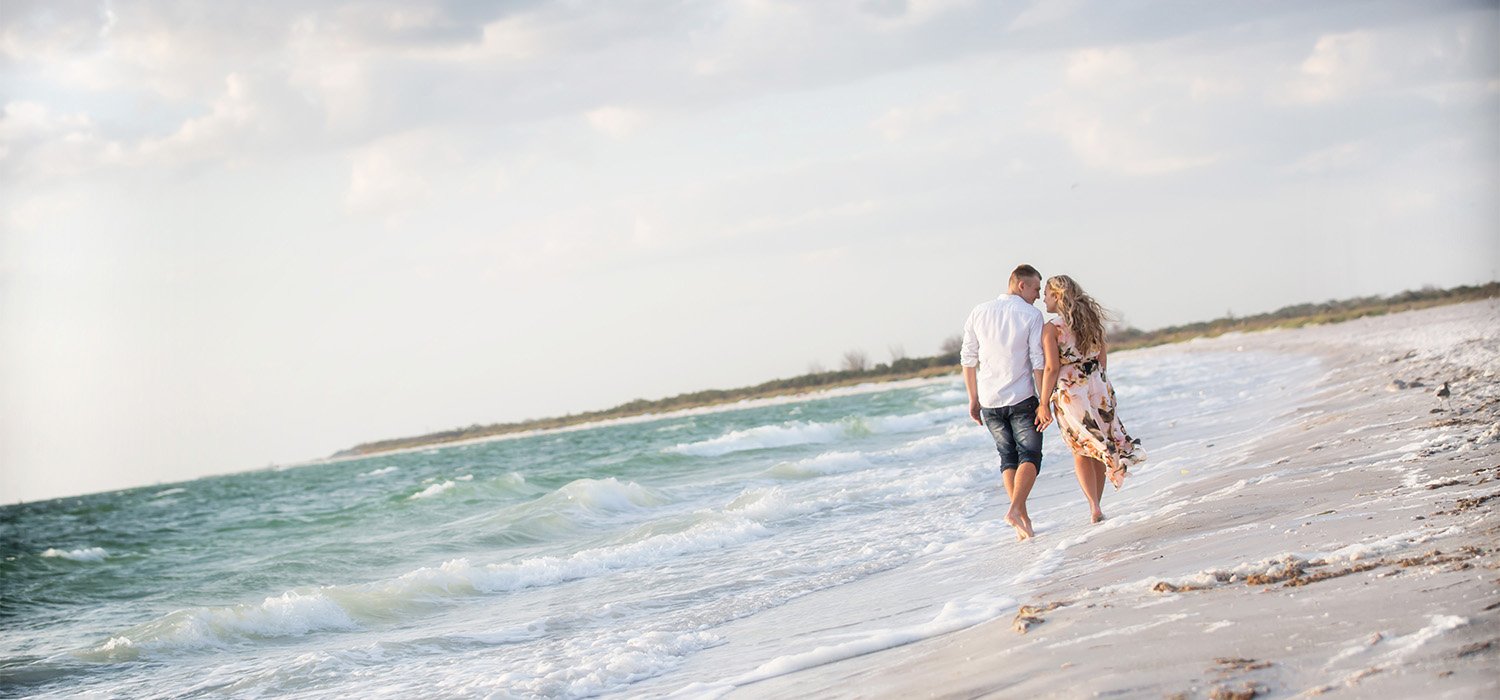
1084 316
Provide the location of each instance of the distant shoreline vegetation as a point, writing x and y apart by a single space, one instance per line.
857 369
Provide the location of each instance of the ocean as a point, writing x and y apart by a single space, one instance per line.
683 554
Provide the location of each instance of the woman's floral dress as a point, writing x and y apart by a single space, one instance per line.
1084 407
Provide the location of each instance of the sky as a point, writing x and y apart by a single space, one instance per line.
239 234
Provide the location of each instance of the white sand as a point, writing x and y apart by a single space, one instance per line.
1370 495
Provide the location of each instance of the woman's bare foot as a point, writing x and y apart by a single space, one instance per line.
1098 516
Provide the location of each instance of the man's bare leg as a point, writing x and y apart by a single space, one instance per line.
1008 478
1018 483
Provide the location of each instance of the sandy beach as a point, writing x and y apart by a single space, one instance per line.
1350 550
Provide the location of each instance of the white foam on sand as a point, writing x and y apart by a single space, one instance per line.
1391 648
1163 620
954 616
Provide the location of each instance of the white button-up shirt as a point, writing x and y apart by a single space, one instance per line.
1003 339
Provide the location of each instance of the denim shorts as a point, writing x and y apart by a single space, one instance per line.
1016 437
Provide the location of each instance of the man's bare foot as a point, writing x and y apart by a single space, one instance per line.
1098 516
1015 521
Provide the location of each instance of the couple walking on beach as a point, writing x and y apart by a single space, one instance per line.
1018 368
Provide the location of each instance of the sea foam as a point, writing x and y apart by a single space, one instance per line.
793 433
85 554
291 614
346 607
834 462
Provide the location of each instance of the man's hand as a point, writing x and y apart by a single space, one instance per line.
974 412
1043 416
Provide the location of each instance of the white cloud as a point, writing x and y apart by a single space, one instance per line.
616 121
1101 67
1128 111
1042 13
37 143
1121 147
903 14
900 121
42 30
1410 201
396 175
1432 58
255 116
1338 64
1343 156
645 234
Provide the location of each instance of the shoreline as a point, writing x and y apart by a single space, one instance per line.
742 404
1351 549
1328 313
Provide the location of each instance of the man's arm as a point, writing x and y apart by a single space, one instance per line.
968 356
971 382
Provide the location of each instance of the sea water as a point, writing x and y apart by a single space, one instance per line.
681 554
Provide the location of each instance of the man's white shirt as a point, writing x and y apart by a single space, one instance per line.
1003 339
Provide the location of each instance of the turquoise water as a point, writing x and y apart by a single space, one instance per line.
643 557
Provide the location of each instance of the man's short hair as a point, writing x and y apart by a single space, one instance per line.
1024 271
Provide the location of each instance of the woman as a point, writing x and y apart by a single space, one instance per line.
1079 393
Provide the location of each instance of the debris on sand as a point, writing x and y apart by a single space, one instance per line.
1238 665
1030 616
1476 648
1244 692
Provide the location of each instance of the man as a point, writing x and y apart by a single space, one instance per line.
1003 361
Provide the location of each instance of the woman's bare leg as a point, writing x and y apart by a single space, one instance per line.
1090 474
1098 480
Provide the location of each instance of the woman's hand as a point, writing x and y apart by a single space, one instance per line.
1043 415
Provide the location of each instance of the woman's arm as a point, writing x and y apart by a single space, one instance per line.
1049 375
1103 356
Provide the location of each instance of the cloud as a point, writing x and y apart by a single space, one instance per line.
396 175
1338 65
160 83
1129 111
1408 59
1101 67
1044 13
1343 156
900 121
614 121
41 30
37 143
252 114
